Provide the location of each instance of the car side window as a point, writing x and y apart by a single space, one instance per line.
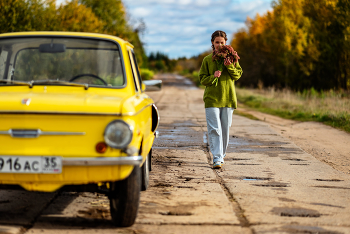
137 68
134 71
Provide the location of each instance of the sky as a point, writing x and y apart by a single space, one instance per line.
183 28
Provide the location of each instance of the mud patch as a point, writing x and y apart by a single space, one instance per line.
271 148
162 185
294 159
286 199
322 204
329 180
331 187
273 184
295 212
306 229
176 213
95 213
249 178
237 159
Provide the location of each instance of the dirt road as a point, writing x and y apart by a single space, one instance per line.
268 183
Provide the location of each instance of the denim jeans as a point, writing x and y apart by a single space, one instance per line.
219 121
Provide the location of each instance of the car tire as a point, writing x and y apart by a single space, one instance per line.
124 199
150 160
145 174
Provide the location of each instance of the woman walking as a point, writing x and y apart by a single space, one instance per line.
219 98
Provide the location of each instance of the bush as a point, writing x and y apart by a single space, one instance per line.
146 74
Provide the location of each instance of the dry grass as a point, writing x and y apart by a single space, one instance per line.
332 108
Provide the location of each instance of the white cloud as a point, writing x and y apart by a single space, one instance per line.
184 2
184 27
141 12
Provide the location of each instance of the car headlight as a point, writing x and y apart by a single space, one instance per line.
118 134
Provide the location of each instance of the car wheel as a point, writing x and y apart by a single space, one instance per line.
145 174
124 199
150 160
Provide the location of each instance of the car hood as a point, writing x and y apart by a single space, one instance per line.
60 102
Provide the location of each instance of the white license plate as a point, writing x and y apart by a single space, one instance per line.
37 164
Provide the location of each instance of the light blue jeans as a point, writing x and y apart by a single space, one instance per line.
219 121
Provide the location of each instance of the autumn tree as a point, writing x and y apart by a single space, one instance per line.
74 16
300 44
115 22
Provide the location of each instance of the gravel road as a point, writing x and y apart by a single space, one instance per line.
268 184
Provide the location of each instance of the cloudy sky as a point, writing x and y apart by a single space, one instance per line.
183 27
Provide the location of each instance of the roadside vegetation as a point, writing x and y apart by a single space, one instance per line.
329 107
96 16
298 45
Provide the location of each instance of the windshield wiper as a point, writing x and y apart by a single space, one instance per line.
16 82
34 82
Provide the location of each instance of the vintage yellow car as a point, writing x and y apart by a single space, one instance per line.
75 116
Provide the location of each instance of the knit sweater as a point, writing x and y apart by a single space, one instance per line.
224 94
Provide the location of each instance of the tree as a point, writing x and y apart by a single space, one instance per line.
77 17
300 44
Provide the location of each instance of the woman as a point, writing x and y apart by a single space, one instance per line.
220 100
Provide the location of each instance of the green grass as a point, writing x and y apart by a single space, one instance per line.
331 108
249 116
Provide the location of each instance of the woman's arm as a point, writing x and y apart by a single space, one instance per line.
234 72
205 78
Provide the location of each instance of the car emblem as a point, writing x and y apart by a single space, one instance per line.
26 101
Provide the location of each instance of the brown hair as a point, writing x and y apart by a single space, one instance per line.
218 33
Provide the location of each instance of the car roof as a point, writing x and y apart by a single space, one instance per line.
69 34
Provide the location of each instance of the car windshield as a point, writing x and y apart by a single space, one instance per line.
60 61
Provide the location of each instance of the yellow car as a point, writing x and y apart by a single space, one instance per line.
75 116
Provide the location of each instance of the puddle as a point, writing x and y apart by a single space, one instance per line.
205 138
273 184
293 228
176 213
295 212
255 179
330 180
294 159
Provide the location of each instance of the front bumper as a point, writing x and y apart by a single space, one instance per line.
130 160
75 171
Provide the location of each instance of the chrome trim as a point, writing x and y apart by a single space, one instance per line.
156 134
105 161
153 85
34 133
56 113
72 113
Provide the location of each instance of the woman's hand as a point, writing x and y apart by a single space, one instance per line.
217 74
227 61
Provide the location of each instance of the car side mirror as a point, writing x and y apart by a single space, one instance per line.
143 87
153 85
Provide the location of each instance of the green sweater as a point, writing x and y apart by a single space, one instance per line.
224 94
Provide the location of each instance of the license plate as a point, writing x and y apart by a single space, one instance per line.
32 164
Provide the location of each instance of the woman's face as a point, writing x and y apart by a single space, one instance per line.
218 42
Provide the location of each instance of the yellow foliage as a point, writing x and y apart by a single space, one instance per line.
77 17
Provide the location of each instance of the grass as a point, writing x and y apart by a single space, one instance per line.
329 107
249 116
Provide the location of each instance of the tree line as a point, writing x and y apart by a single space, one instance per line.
300 44
97 16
